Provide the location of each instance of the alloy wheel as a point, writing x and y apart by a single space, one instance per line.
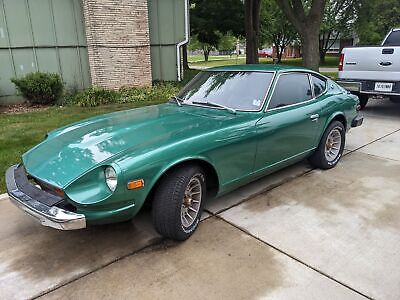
333 144
191 202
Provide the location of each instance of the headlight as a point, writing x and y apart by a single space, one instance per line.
111 178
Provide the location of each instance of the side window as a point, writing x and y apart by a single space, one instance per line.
393 39
291 89
319 85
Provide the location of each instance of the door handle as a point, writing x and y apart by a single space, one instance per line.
388 51
314 117
386 63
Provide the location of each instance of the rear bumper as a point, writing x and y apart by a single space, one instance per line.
30 199
357 121
351 86
367 87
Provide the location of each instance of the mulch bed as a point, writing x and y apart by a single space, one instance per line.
22 108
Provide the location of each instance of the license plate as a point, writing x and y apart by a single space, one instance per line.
383 86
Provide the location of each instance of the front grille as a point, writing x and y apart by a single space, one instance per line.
48 188
23 183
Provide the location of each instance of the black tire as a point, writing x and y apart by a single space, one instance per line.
395 99
169 200
318 158
363 100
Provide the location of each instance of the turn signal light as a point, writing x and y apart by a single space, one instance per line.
358 107
59 192
136 184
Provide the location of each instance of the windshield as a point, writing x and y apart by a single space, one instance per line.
239 90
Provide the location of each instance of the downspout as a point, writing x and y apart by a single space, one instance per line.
186 40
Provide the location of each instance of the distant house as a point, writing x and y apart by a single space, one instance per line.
293 51
341 43
109 43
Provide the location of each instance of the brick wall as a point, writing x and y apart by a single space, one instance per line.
117 34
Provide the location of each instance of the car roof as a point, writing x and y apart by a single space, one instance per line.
258 68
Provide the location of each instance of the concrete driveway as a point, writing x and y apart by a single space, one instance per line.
298 234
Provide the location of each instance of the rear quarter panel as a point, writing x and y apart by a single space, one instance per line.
336 103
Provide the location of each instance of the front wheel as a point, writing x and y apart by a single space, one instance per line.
330 148
178 202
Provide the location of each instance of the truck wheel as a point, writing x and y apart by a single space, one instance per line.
363 100
178 202
395 99
330 148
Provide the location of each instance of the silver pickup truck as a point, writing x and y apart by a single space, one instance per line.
372 70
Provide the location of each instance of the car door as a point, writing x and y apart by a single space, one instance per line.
290 125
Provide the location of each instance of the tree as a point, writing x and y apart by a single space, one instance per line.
212 19
195 44
375 19
227 42
275 28
338 20
306 17
252 28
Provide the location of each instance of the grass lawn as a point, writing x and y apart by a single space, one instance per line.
331 61
332 75
200 58
215 61
20 132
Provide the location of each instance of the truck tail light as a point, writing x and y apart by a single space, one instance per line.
341 61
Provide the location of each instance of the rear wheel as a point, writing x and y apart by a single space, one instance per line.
178 202
395 99
363 100
330 148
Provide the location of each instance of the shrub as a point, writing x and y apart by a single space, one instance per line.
95 96
40 87
159 92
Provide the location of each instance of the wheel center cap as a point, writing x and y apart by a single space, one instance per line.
187 201
329 144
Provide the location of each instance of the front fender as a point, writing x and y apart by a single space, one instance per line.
151 174
91 189
177 162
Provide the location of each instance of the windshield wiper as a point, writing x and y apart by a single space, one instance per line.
178 100
209 103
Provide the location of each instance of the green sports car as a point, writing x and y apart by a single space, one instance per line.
225 128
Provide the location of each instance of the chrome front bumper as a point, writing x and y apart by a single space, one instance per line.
24 198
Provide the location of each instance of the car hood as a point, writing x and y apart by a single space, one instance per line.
71 151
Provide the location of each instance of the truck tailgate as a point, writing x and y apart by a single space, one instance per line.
371 63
